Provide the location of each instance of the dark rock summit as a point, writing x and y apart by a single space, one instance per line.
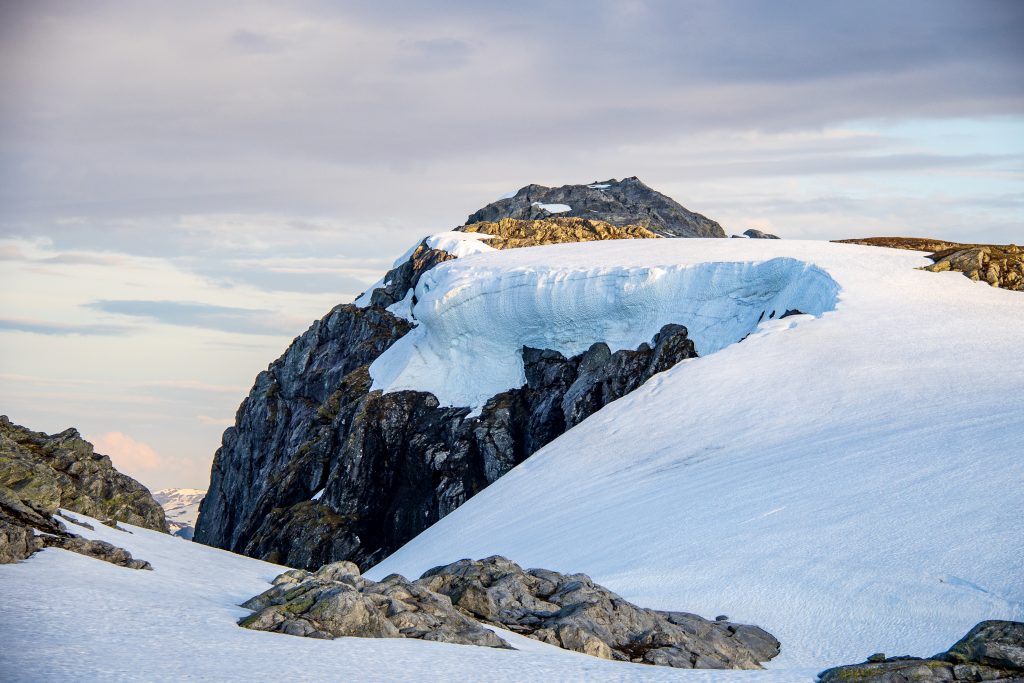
619 202
318 468
991 651
387 466
454 603
41 473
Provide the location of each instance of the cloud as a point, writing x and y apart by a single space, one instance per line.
193 314
63 329
128 455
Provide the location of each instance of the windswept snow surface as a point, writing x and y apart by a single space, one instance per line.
475 315
66 617
854 483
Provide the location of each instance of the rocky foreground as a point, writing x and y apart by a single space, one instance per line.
455 602
40 474
991 651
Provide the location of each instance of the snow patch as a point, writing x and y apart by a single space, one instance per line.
476 315
553 208
403 308
598 186
460 244
318 495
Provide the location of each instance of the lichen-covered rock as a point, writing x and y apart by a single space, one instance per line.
40 474
62 470
991 651
999 265
336 601
387 466
619 202
512 233
572 612
100 550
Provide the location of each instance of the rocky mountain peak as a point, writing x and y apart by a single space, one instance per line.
619 202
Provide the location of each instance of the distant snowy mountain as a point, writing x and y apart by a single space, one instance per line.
182 508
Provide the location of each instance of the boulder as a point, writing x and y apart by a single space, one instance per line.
336 601
572 612
991 651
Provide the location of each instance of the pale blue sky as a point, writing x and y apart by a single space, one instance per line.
185 186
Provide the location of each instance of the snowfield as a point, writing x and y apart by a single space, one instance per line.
850 478
67 617
853 483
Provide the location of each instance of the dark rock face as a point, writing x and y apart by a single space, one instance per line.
40 473
337 601
450 604
387 466
991 651
625 202
404 276
279 450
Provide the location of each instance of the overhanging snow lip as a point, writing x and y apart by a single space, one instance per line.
476 315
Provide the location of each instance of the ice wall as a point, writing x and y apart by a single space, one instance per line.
475 317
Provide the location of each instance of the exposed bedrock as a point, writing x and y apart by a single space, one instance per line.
41 473
319 468
455 602
1000 265
619 202
991 651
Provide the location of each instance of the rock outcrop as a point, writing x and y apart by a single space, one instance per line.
619 202
755 234
450 604
512 233
991 651
321 469
572 612
41 473
63 471
336 601
999 265
405 275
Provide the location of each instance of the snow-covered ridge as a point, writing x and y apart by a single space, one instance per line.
476 314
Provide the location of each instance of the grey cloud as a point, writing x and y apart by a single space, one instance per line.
192 314
62 329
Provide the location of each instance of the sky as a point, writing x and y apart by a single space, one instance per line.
185 187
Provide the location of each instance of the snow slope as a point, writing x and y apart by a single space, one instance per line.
67 617
853 483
